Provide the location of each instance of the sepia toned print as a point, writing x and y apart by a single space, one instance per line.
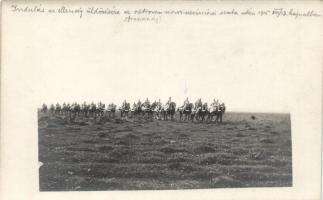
161 100
158 146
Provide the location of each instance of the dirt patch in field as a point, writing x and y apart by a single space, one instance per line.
203 149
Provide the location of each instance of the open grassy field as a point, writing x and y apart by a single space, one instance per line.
142 154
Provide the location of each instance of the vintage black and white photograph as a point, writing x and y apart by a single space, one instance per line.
166 100
156 145
189 108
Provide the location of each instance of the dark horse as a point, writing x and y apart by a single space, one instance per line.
44 108
220 113
146 109
75 110
58 109
136 110
151 110
111 110
100 109
92 110
124 110
180 111
186 111
169 111
202 112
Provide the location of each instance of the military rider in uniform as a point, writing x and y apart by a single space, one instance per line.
147 103
198 103
186 102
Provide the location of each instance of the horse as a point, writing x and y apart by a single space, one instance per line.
58 109
92 110
193 114
146 109
66 108
180 110
170 110
153 110
124 110
100 109
44 108
52 109
216 111
137 110
111 110
213 112
158 109
75 110
85 109
202 112
187 111
220 113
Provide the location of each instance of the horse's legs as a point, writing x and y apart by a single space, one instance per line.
217 118
221 117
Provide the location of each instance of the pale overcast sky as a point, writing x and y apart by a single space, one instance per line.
247 66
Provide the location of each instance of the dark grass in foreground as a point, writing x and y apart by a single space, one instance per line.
142 154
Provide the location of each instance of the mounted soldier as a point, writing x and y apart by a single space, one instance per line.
186 102
159 104
146 104
65 109
198 103
169 101
222 107
85 109
44 108
220 113
75 109
214 105
134 106
167 104
52 108
205 107
125 106
58 108
92 109
139 104
112 109
101 108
